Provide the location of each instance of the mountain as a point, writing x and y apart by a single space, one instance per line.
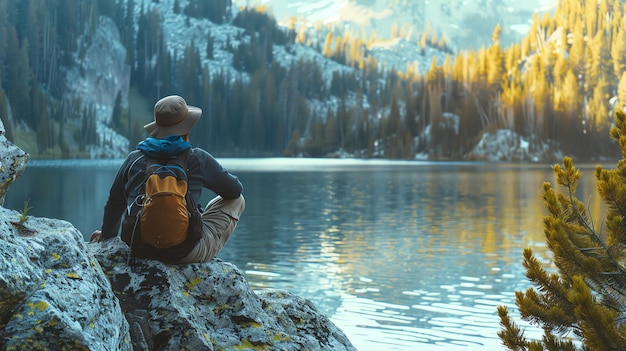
465 24
295 88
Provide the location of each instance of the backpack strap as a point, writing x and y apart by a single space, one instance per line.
127 173
133 165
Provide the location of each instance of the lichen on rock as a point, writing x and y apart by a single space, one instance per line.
53 294
210 306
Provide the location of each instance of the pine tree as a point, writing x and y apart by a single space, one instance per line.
621 91
495 62
43 132
20 89
116 115
32 23
210 50
599 107
3 41
332 138
570 93
12 63
586 298
602 63
4 115
577 49
127 32
618 50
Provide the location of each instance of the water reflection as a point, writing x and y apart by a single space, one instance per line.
74 193
401 256
417 259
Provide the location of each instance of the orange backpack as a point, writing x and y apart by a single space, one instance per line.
164 221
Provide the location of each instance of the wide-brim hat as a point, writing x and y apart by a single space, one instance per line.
172 116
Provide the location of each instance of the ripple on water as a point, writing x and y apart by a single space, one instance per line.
378 326
458 316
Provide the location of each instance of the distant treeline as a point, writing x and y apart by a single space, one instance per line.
560 84
554 86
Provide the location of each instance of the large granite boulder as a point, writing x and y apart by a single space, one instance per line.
210 306
53 294
59 293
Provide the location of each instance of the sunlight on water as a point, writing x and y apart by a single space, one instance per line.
312 164
458 328
400 255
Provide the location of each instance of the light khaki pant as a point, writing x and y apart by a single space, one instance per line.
219 220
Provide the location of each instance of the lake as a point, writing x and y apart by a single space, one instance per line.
400 255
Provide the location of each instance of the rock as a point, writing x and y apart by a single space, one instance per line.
12 163
210 306
506 145
53 294
58 292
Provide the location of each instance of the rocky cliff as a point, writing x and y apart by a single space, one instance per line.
58 292
97 78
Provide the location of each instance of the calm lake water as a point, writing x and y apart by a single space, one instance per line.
400 255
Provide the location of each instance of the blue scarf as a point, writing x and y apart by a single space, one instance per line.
163 148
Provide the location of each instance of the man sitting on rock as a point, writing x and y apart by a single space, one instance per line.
173 120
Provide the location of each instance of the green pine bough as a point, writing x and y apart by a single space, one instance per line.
582 304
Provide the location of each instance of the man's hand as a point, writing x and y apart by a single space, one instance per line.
96 236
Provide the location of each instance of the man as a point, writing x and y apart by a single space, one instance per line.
173 120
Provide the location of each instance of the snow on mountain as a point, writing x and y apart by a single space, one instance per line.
180 31
401 54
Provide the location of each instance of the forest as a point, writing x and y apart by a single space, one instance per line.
560 85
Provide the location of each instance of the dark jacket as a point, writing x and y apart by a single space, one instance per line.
204 171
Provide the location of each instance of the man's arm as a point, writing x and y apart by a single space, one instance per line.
217 178
114 207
